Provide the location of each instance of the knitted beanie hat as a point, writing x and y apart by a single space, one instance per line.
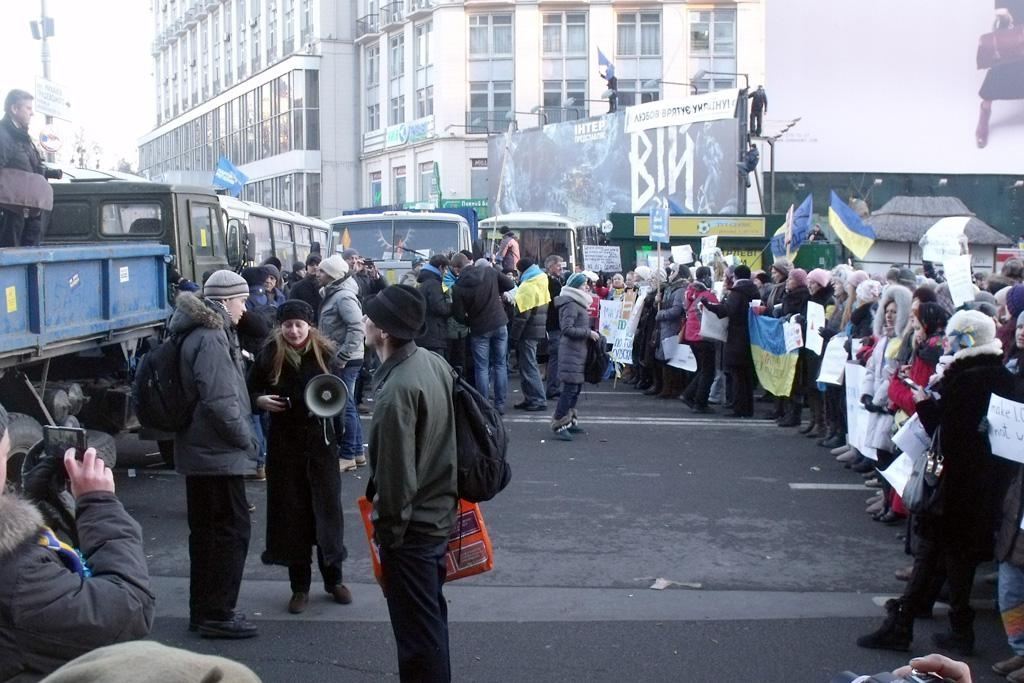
225 284
869 291
335 266
576 281
972 332
820 277
798 276
783 266
1015 300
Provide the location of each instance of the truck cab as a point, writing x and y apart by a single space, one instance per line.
91 207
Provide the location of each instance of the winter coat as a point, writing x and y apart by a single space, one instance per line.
695 293
508 252
50 614
476 299
530 324
554 289
774 295
17 150
1010 540
219 439
926 357
861 320
645 341
574 322
794 302
439 310
673 311
413 466
341 319
303 480
368 286
736 307
973 481
257 322
308 289
878 374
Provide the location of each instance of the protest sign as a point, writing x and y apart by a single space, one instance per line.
898 473
1006 428
958 276
707 247
635 310
793 335
611 312
622 349
815 321
912 438
943 240
678 355
856 415
833 362
712 327
682 254
607 259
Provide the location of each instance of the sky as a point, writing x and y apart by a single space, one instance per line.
100 55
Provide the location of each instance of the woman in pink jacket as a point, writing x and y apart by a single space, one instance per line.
696 393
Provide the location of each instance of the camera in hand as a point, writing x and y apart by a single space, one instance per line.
886 677
57 440
52 173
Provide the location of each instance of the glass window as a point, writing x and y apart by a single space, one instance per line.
426 180
425 101
312 129
626 35
298 89
700 32
69 219
259 227
650 34
713 47
312 89
312 194
396 62
376 189
134 218
478 178
418 239
398 195
423 39
373 117
203 224
478 34
552 34
576 33
490 35
502 30
284 99
372 65
284 245
397 110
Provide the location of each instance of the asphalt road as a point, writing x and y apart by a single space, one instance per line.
774 567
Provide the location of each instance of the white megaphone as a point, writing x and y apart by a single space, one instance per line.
326 396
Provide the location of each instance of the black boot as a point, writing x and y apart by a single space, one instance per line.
960 638
792 416
835 441
895 633
658 383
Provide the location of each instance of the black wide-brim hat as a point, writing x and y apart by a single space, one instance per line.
399 310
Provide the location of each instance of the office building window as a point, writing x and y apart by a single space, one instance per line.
489 102
634 91
397 114
271 31
638 34
425 101
423 48
372 65
396 56
204 50
229 74
478 178
490 35
424 71
426 181
243 55
307 21
713 48
398 195
565 33
373 117
288 26
376 189
564 100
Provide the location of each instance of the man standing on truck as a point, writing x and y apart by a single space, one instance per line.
21 219
214 452
508 250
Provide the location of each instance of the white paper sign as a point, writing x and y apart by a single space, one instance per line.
599 259
713 328
638 307
898 473
958 276
611 311
912 438
794 336
622 349
707 246
682 254
833 363
942 240
1006 428
815 320
856 415
678 355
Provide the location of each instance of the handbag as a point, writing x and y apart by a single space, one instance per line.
1001 46
923 493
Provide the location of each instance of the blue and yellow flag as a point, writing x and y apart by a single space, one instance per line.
775 368
533 290
849 228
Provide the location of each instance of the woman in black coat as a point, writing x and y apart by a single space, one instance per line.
794 303
960 534
303 480
1005 81
439 307
738 359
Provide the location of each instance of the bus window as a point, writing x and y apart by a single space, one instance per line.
203 225
539 243
259 227
131 218
284 246
423 239
303 239
320 236
369 238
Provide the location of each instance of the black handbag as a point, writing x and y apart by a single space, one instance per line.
923 493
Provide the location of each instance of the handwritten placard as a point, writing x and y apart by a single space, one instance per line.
833 363
958 277
815 321
682 254
1006 428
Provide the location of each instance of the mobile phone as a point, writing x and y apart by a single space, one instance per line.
286 400
57 440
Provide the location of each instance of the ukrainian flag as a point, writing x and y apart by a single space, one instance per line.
849 228
533 289
775 368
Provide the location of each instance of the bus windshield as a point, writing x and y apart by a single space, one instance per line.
397 239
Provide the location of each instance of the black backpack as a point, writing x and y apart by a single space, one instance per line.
481 442
160 399
597 361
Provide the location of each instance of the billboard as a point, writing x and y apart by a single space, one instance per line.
891 87
683 153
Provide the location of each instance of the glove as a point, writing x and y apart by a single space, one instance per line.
868 404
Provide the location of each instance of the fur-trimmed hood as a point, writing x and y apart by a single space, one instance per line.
190 312
20 520
902 296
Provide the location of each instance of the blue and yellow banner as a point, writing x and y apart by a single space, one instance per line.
533 289
775 368
849 228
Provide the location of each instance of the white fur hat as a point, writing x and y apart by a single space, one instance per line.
972 333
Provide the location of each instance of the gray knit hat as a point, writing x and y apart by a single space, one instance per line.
225 284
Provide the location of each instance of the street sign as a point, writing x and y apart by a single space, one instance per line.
49 140
659 225
50 100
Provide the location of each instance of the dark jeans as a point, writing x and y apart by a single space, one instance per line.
567 401
352 441
414 576
742 390
700 386
551 374
301 575
529 373
490 363
932 560
18 231
218 541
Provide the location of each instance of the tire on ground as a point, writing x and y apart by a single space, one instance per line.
106 447
25 433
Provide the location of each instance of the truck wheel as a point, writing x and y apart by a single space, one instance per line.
25 433
106 447
166 447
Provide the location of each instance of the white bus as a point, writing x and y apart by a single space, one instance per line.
540 235
287 235
394 239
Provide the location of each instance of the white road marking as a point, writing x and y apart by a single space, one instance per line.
828 487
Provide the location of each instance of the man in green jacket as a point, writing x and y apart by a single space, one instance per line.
413 480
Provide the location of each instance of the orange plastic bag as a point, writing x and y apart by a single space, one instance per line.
469 546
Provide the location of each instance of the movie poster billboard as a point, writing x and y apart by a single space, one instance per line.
896 87
681 152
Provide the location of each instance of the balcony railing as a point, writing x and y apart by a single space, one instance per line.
367 25
416 6
392 13
483 121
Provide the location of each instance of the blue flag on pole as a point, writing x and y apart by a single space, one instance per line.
605 62
229 177
798 221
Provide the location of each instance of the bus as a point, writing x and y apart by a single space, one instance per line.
287 235
394 239
540 235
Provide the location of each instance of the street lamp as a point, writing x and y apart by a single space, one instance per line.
702 74
537 111
474 123
654 82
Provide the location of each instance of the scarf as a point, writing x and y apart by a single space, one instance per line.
579 296
294 354
431 269
70 557
448 281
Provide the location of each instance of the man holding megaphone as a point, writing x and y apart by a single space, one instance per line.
303 480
